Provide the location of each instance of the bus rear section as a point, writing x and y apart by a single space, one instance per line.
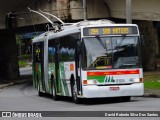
111 62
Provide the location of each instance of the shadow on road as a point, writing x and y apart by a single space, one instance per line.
93 101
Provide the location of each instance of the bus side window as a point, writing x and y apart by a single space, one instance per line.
67 49
51 51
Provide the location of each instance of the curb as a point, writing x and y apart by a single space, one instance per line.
152 96
13 83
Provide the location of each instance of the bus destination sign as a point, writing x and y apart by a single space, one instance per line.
125 30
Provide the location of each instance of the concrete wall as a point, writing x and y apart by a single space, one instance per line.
141 9
97 9
67 10
73 10
8 56
33 18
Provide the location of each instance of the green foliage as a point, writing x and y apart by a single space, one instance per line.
19 39
152 80
152 85
26 56
22 63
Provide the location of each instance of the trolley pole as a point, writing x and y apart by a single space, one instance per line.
85 9
129 11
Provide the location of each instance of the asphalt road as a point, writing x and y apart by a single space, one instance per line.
26 70
23 97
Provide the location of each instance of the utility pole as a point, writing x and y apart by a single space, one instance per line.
85 9
129 11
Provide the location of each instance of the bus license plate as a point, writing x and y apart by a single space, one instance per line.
114 88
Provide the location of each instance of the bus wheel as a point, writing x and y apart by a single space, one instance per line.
54 95
74 94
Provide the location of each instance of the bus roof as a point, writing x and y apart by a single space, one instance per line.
76 28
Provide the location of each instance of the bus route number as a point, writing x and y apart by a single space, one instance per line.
94 31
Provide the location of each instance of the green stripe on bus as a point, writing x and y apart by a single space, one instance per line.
98 78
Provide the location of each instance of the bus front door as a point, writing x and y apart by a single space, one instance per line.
38 66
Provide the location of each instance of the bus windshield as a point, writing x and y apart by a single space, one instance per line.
111 52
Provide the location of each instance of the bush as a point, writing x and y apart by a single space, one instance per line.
22 63
25 57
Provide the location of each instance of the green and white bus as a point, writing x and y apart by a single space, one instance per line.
89 59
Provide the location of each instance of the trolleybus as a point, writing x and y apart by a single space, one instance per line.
89 59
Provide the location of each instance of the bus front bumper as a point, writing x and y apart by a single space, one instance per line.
94 91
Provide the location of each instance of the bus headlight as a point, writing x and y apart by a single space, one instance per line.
136 80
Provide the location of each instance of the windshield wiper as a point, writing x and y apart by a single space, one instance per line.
100 41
